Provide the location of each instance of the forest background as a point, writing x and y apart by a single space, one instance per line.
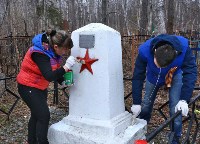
22 19
28 17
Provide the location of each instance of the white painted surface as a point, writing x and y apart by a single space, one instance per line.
96 105
107 128
101 95
60 133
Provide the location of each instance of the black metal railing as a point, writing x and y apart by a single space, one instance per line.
7 89
56 90
190 119
169 121
154 133
9 110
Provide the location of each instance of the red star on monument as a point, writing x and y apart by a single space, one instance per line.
87 62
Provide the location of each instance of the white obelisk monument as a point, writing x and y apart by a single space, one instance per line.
96 104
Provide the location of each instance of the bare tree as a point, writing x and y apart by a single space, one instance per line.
9 19
104 12
144 19
73 17
150 16
170 17
159 17
125 13
126 16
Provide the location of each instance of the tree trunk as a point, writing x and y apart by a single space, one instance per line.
150 17
144 19
160 18
104 12
73 17
170 17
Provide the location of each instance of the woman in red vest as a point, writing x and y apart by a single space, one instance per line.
40 66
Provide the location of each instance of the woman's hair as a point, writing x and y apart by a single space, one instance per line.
59 38
164 55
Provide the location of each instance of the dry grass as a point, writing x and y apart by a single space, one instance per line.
14 131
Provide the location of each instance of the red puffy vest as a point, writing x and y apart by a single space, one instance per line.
30 74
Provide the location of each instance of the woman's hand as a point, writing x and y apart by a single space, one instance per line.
69 63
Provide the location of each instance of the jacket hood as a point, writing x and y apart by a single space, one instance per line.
37 41
169 39
37 45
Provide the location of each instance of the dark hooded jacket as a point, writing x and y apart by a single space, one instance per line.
146 68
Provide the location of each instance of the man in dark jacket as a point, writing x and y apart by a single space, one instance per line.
165 59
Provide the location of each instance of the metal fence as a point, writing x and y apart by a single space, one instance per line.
12 51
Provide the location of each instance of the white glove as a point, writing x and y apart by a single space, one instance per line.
182 105
70 62
136 109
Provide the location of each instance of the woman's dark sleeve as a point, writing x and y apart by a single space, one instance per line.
43 62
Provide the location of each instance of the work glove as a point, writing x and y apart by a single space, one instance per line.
182 105
136 109
70 62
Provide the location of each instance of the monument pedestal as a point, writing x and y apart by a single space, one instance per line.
96 104
72 130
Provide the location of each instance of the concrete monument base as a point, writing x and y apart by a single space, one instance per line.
74 130
96 104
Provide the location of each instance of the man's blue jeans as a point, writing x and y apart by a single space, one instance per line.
174 97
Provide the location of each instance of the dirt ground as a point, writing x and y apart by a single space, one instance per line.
14 131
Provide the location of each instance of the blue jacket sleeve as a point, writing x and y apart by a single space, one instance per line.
139 75
189 69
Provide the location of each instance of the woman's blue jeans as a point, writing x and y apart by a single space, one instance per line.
174 97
